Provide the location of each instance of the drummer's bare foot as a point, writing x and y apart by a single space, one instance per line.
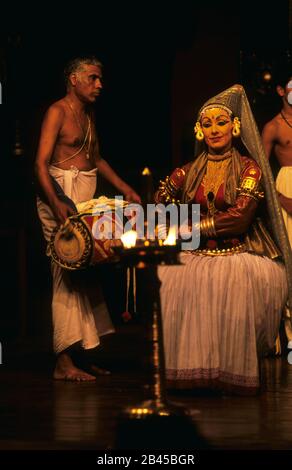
65 370
99 370
88 359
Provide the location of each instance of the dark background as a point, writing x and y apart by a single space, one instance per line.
160 65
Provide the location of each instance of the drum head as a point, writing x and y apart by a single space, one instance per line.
71 245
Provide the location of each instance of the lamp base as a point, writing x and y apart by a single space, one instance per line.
153 425
153 408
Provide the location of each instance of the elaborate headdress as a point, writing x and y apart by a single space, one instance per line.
235 100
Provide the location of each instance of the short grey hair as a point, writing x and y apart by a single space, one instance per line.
76 65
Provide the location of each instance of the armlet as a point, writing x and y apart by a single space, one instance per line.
169 188
249 184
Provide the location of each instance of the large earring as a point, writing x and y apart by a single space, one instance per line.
236 127
198 131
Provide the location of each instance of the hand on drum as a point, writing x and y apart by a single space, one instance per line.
62 211
132 196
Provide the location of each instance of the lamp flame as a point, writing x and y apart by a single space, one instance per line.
129 239
171 237
146 171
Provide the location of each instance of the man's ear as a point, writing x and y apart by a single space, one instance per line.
280 90
73 79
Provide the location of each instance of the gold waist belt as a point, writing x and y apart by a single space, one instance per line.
241 248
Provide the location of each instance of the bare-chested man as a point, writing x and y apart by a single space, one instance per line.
68 153
277 141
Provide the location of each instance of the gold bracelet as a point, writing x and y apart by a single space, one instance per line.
207 227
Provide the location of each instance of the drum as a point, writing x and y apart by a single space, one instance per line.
87 238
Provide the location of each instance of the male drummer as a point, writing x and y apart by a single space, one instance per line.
68 154
277 142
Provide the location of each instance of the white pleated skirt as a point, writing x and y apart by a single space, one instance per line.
220 314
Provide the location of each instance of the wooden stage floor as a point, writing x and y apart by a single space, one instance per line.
37 412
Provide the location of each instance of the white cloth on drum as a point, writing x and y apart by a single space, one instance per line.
219 313
78 314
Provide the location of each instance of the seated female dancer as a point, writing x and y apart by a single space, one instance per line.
221 310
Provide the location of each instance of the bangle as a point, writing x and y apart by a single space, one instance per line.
207 227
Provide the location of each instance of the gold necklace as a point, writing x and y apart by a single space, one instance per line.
87 134
214 176
285 119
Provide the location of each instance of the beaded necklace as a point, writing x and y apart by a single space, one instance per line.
285 119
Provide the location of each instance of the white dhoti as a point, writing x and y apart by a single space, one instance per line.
284 186
219 315
78 315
